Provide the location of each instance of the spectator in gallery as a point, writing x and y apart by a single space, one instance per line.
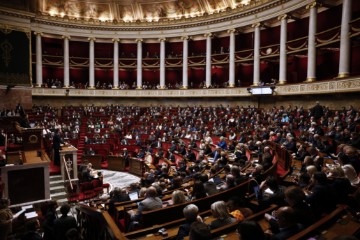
199 231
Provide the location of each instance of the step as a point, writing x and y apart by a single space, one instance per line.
57 183
58 195
55 178
61 201
57 189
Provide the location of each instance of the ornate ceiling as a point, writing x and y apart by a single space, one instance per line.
131 10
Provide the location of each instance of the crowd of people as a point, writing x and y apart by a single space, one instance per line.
223 137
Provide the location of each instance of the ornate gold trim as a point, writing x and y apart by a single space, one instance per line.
115 88
308 80
91 87
343 75
282 82
231 86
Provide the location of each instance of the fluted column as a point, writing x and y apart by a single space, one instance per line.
232 58
39 78
162 63
208 59
116 63
256 79
91 63
66 62
283 52
185 83
344 62
139 64
311 67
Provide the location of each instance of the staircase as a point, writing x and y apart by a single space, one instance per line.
57 189
81 144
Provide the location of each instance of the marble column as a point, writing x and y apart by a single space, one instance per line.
208 59
283 52
162 63
185 83
39 77
139 64
66 62
116 63
91 63
232 58
256 79
311 63
344 62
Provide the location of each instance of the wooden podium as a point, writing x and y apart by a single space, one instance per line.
136 166
69 152
27 183
116 163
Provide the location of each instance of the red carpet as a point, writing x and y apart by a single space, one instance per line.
54 170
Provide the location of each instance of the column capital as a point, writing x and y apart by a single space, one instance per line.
314 4
208 35
139 40
115 40
282 17
162 39
256 25
185 38
65 37
91 39
233 30
38 33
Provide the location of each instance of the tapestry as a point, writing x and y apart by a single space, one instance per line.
14 57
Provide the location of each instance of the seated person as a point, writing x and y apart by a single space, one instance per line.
277 196
199 231
287 223
191 215
178 197
237 209
220 212
250 230
151 202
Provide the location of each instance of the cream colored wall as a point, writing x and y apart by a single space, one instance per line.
334 101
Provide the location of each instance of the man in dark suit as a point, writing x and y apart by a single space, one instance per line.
56 146
151 202
64 223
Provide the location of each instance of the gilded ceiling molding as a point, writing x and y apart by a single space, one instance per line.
91 39
139 40
115 40
146 26
65 37
162 39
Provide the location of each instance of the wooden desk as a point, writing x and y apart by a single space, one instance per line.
95 160
116 163
136 166
344 226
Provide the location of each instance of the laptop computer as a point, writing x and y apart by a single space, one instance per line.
133 195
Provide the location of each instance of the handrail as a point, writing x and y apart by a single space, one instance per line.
67 173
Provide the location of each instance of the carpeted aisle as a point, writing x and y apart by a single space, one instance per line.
118 179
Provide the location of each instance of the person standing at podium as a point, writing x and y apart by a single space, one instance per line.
56 146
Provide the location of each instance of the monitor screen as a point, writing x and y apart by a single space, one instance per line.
262 91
